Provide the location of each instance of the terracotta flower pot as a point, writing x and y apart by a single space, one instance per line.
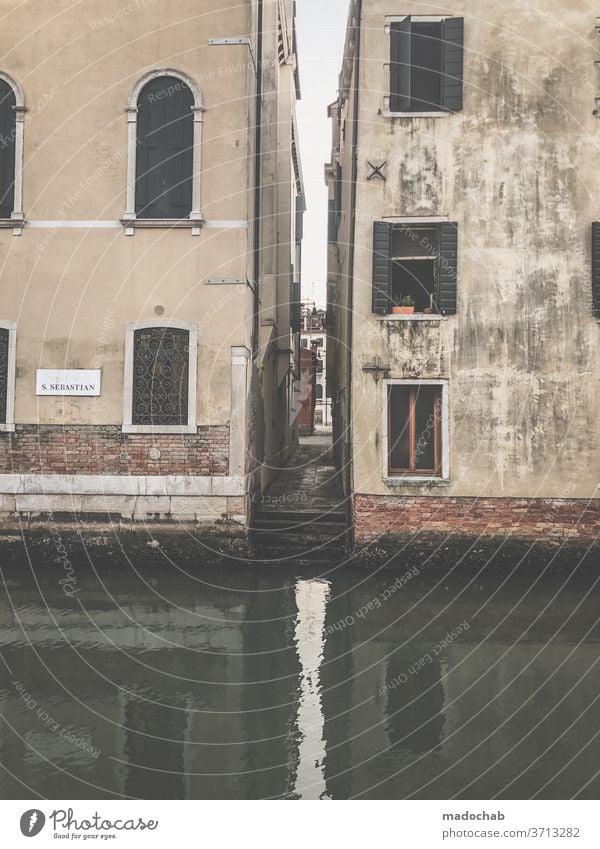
403 310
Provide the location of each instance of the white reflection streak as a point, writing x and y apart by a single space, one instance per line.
311 599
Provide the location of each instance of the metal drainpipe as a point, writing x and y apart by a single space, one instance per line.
257 176
353 191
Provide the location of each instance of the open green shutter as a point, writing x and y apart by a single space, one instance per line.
447 268
400 59
452 64
382 267
596 268
7 149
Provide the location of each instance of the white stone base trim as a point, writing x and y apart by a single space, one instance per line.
127 485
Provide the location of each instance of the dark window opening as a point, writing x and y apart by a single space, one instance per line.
414 430
304 343
318 392
414 251
3 375
165 150
8 126
160 376
426 65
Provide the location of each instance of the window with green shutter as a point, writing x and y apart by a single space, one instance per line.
7 149
596 269
165 150
426 65
415 265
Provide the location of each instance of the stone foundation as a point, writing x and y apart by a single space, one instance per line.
99 474
548 520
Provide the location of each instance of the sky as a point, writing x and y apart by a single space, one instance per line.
321 29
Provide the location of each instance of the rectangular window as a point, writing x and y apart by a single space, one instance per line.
415 430
426 65
4 359
160 378
415 266
7 375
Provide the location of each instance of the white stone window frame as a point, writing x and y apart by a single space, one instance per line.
391 19
8 425
17 218
191 426
396 480
130 221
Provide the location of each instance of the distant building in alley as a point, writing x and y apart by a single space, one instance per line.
314 337
464 270
149 350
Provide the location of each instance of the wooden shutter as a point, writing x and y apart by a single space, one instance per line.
400 59
596 269
382 267
452 64
447 268
164 166
7 149
178 149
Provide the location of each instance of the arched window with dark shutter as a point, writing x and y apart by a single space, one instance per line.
164 149
8 133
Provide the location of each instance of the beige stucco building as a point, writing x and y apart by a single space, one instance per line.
150 226
463 189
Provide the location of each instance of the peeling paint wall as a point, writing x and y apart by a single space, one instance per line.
517 169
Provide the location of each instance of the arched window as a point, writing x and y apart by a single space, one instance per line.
318 392
165 122
8 124
12 111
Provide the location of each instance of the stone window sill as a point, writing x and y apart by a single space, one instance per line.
417 480
6 428
388 114
14 224
417 316
132 224
151 430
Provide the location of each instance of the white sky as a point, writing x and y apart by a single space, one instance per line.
321 28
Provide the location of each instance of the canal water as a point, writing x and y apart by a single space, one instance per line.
331 682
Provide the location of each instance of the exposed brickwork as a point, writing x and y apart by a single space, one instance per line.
543 519
105 450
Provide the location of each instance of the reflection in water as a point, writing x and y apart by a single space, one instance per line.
255 683
311 598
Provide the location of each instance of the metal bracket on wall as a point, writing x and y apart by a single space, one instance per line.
376 170
234 40
596 112
377 369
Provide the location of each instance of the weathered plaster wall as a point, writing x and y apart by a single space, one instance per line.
516 169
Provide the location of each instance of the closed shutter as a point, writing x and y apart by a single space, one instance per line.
3 374
447 268
382 267
452 64
596 269
7 149
296 316
400 59
164 166
178 146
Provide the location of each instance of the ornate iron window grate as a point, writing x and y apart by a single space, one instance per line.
161 367
3 374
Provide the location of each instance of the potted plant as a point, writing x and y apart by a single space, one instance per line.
404 306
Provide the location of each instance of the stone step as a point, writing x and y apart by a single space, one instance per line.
300 517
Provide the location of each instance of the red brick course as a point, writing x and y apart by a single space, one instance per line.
536 518
105 450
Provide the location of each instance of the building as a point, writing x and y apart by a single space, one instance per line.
464 270
150 220
307 395
314 337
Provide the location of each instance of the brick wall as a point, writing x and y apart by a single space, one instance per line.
105 450
543 519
